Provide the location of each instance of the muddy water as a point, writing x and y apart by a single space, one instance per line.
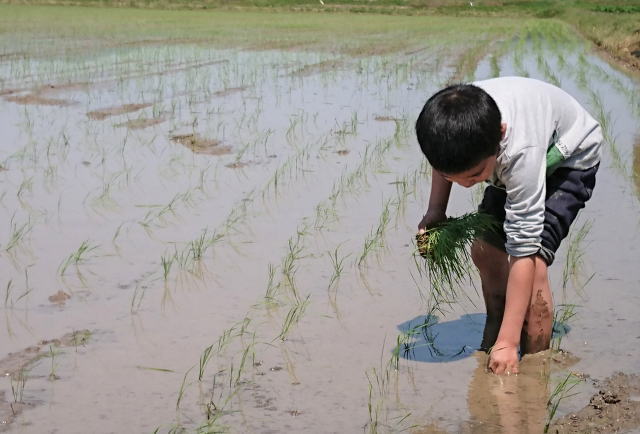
321 151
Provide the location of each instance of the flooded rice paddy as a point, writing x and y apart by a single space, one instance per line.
207 225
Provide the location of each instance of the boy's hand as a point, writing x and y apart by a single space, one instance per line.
430 219
503 359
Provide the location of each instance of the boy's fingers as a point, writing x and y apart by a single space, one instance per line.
421 231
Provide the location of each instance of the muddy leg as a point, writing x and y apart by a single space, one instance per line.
537 329
493 266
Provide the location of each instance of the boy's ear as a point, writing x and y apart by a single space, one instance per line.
503 130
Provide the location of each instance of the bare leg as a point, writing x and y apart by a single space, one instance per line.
493 266
538 325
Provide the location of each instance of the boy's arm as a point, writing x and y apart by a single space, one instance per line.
504 354
438 201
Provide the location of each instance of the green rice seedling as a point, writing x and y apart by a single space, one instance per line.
560 392
166 262
289 265
18 233
293 317
138 295
574 260
182 388
444 248
7 293
564 313
204 359
337 263
77 257
375 240
52 372
272 286
405 341
18 381
243 360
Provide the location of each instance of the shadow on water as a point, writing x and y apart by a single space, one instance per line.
431 341
428 340
509 404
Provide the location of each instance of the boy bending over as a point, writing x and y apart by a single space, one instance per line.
539 150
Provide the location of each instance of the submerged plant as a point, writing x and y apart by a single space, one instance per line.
445 250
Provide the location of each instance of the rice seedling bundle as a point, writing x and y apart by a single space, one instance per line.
445 249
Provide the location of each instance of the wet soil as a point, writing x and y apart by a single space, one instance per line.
104 113
140 124
316 68
513 403
201 145
34 99
13 363
614 408
16 366
230 91
59 297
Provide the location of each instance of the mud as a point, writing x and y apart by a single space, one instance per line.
140 124
16 366
104 113
34 99
538 326
387 119
59 297
316 68
514 403
230 91
237 165
13 363
614 408
201 145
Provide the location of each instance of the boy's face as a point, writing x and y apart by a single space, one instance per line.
478 173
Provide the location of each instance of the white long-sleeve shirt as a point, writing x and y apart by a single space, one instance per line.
538 116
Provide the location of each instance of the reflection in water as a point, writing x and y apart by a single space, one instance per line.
509 404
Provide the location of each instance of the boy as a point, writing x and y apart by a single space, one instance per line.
539 150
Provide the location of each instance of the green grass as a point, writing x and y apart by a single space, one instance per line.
611 25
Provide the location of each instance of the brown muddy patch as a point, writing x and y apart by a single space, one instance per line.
237 165
139 124
387 119
13 363
342 152
317 68
16 365
104 113
34 99
201 145
59 297
230 91
5 92
614 408
61 87
279 45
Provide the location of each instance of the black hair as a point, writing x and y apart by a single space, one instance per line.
458 127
